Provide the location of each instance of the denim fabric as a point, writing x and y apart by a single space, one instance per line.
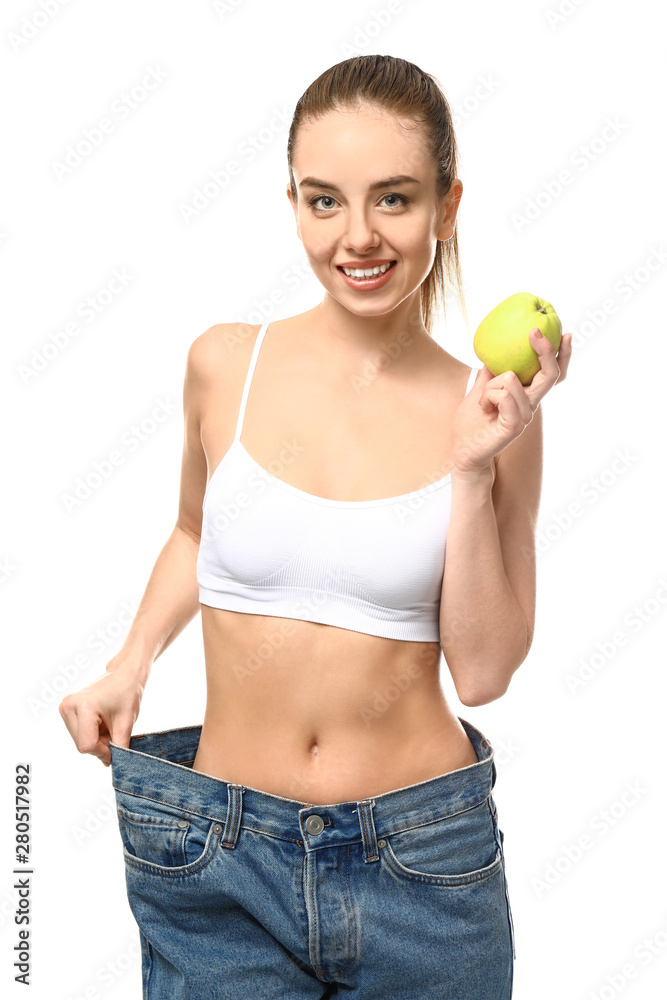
239 893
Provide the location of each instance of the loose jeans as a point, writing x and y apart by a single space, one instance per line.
239 893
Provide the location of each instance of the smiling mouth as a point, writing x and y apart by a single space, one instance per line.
366 277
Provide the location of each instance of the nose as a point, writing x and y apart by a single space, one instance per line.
359 236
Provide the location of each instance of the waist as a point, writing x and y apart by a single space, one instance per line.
159 764
322 714
315 674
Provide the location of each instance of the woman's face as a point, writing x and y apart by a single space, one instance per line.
348 220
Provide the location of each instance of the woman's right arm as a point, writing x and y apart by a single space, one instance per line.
108 708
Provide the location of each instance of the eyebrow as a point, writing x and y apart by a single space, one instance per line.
388 182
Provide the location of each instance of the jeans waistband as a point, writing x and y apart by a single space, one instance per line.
158 766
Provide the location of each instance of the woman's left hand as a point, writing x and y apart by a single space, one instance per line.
486 422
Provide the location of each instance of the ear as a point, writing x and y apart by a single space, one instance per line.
294 208
451 207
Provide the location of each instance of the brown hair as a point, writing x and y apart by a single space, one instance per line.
405 90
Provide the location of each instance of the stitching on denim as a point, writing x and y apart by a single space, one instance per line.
219 819
364 812
159 823
437 819
178 834
232 826
313 906
496 831
146 974
163 732
510 920
167 802
319 970
351 958
274 836
147 866
446 881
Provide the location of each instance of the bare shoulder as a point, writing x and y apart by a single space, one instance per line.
218 348
452 370
210 361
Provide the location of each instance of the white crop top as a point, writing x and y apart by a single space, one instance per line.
269 548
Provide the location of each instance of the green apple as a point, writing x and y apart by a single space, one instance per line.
502 338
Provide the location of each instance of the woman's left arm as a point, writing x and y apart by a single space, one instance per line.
487 609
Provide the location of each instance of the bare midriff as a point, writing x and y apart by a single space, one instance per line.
322 714
309 711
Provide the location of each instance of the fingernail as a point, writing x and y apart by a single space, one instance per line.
538 332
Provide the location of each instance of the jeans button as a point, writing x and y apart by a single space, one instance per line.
183 823
314 824
217 828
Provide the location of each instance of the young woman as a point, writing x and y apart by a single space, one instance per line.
331 825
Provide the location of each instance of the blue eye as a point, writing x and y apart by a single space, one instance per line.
402 200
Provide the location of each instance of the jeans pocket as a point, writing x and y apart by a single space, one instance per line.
455 850
162 838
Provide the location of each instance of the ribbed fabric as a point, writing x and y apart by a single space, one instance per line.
269 548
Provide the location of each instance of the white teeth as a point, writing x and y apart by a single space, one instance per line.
367 272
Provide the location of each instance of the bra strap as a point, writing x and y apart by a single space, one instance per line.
471 379
248 380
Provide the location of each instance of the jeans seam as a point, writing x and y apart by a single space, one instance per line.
436 819
167 802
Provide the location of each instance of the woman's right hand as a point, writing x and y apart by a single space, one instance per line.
105 710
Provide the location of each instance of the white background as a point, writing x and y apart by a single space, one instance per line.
533 91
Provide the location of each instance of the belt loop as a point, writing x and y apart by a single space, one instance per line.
493 773
233 821
367 825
